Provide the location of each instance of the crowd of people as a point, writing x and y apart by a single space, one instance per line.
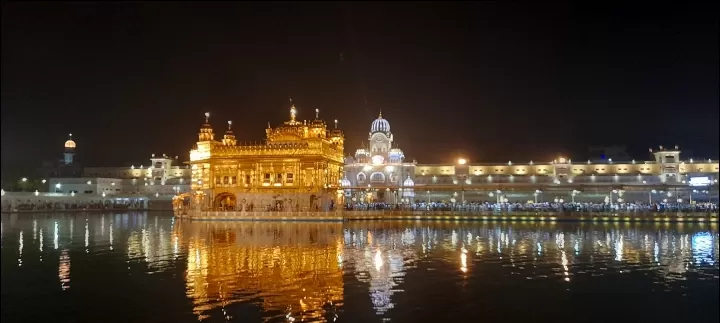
565 207
40 205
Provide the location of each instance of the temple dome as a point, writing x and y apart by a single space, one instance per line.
408 182
70 143
380 125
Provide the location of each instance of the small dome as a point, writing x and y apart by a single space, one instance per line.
408 182
70 143
380 125
345 182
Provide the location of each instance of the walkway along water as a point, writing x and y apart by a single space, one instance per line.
342 215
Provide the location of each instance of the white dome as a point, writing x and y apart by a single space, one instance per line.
380 125
408 182
345 182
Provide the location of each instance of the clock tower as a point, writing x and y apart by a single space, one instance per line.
380 139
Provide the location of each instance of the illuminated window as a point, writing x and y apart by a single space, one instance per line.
247 179
377 177
226 180
278 178
233 180
289 178
266 178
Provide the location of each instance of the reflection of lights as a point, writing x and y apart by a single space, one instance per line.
20 247
87 236
378 260
619 248
111 235
64 269
564 261
702 248
463 260
55 239
40 246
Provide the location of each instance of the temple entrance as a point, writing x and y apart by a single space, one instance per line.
225 202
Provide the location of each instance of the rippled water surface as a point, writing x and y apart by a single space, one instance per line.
150 267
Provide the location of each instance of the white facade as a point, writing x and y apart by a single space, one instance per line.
379 165
161 177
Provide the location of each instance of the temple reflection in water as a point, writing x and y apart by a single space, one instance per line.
295 270
309 271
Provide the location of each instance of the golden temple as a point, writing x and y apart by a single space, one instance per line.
297 168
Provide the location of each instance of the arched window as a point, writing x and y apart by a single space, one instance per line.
377 177
361 178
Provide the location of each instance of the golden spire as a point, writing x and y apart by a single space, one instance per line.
206 132
229 138
317 114
380 114
336 123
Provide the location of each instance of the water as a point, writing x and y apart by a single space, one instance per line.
150 267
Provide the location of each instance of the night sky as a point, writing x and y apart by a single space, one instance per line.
488 81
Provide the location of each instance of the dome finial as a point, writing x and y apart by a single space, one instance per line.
380 114
229 124
336 121
317 114
207 117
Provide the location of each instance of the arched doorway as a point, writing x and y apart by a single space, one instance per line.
225 202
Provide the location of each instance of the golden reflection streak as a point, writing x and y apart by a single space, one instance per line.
64 269
296 267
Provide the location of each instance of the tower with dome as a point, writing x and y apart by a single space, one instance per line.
378 173
69 154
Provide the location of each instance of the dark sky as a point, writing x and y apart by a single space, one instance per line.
488 81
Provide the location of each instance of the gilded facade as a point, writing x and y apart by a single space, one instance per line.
297 168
